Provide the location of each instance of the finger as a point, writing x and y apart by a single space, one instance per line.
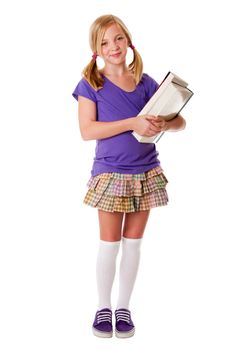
155 126
152 121
155 129
151 117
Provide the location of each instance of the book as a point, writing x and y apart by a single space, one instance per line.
167 102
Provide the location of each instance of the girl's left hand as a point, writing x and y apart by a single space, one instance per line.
159 123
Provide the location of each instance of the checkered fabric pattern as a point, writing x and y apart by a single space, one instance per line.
127 192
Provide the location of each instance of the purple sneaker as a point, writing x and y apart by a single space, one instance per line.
124 325
102 326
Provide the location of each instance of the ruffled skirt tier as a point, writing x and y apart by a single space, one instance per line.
115 192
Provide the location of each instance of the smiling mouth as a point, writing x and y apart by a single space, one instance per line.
116 54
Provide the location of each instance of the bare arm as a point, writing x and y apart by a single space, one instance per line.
176 124
93 130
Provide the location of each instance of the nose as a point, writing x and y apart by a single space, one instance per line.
114 46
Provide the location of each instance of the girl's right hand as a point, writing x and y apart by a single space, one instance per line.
143 125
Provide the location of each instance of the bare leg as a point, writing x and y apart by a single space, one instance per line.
135 224
110 225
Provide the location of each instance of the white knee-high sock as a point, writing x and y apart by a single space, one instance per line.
105 271
128 270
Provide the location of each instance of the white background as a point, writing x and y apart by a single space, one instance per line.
49 239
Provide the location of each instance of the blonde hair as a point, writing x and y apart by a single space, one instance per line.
97 30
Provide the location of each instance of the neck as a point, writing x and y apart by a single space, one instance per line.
115 71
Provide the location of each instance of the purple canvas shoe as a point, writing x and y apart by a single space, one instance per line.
124 325
102 326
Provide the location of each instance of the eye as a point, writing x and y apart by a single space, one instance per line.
103 43
120 37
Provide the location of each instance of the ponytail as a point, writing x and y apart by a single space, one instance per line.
136 66
92 75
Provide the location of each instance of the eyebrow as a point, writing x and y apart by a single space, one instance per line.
114 37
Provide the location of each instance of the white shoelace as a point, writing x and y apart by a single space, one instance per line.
104 316
123 315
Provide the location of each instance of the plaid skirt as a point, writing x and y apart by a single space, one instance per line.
115 192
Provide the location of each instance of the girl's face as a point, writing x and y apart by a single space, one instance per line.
114 45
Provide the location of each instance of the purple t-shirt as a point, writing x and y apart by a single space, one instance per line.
121 153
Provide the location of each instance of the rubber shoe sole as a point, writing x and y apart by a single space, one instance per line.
125 334
101 334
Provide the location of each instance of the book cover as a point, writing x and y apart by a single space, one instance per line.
167 102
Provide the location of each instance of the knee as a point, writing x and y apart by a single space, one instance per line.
110 236
133 234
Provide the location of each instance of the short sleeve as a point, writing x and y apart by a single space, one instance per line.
150 86
84 89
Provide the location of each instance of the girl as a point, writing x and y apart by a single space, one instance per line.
127 180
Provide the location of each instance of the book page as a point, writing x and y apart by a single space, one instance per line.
171 102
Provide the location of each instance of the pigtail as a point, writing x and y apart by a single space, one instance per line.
92 74
136 66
